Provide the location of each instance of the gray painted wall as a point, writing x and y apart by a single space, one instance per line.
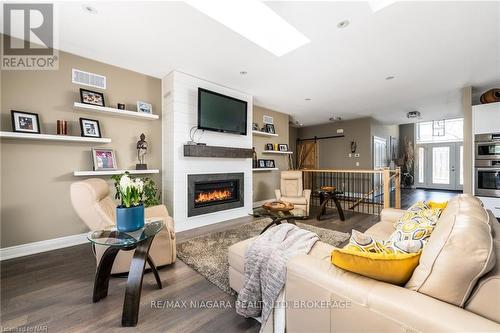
334 153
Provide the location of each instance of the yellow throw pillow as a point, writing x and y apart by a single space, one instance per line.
395 268
437 205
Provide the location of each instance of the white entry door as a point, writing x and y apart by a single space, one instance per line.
440 166
379 153
379 161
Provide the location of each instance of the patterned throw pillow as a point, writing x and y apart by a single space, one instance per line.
364 243
418 206
415 225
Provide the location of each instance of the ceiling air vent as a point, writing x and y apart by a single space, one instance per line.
88 79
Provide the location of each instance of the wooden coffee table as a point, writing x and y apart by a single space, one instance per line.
278 217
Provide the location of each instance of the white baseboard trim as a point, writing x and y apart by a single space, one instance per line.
41 246
261 202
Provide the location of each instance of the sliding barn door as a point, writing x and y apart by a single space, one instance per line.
307 155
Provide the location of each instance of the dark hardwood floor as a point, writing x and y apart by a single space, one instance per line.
54 289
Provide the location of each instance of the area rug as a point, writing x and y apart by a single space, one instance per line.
207 254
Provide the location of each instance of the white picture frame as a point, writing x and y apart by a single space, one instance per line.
144 107
104 159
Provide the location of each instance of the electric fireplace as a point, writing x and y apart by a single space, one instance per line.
209 193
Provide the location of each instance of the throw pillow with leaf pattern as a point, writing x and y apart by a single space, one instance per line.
415 225
364 243
418 206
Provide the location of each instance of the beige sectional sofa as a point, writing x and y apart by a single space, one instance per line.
455 288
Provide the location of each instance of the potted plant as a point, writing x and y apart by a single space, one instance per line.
130 212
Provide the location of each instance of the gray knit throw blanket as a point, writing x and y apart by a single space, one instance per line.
265 267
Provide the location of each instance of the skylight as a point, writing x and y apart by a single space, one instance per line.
377 5
254 21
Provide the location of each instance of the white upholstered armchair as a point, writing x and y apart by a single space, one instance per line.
292 190
94 205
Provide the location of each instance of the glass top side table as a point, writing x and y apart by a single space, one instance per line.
113 237
140 241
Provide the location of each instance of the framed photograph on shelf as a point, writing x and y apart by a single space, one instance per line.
90 128
269 146
270 164
270 128
283 147
25 122
262 164
91 97
255 127
104 159
144 107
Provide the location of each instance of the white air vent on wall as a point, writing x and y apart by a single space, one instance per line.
88 79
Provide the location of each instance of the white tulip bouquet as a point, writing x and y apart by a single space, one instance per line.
134 191
130 191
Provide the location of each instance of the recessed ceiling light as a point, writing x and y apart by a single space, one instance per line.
307 99
243 73
254 21
342 24
390 77
90 9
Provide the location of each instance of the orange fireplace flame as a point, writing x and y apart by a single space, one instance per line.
215 195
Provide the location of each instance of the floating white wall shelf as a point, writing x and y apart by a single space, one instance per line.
264 169
113 111
114 172
52 137
260 133
276 152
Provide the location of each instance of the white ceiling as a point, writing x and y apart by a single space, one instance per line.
432 48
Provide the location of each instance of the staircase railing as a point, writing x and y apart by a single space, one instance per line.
364 191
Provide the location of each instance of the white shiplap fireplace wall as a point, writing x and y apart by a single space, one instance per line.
179 115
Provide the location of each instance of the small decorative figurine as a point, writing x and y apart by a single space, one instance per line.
254 159
142 150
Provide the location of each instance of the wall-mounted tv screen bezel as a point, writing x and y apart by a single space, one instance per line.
220 130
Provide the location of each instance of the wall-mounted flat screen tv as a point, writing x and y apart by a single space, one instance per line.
220 113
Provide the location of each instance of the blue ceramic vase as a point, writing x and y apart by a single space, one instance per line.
129 219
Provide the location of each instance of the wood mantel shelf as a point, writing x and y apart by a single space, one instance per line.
216 151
